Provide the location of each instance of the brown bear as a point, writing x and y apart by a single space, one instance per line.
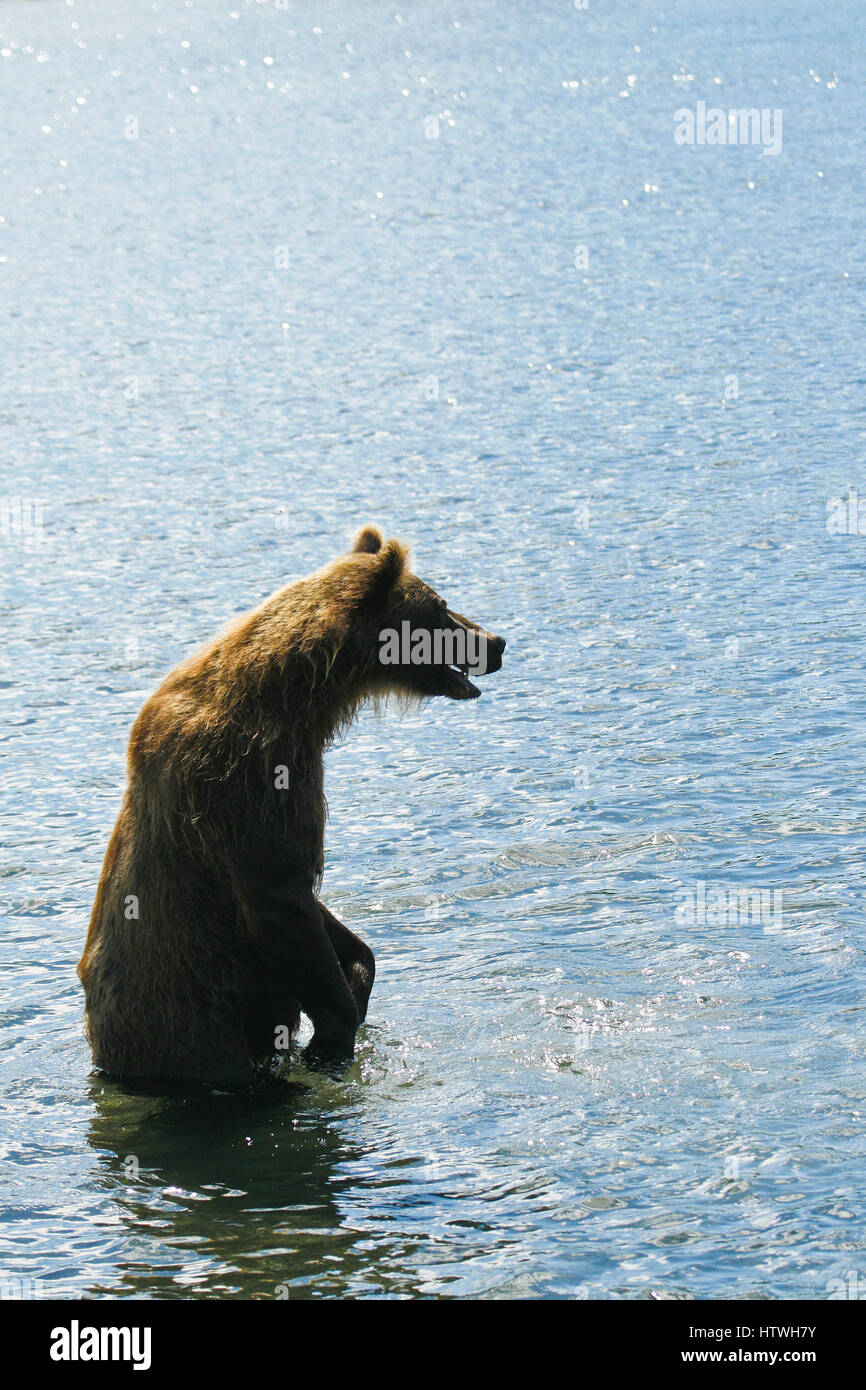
207 937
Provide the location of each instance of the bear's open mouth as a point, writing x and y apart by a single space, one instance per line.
458 685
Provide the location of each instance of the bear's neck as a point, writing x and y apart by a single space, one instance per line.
310 708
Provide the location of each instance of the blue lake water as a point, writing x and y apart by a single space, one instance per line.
269 273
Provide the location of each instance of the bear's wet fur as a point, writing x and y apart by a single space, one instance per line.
207 937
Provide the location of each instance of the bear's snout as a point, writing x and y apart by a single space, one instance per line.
495 648
490 652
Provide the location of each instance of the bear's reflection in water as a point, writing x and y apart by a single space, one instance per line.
202 1178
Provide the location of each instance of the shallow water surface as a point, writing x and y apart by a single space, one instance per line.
272 273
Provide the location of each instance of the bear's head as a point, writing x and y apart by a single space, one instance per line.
414 643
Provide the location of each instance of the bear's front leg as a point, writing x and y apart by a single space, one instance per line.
355 957
286 921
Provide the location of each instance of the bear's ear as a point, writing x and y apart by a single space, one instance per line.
389 566
368 541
